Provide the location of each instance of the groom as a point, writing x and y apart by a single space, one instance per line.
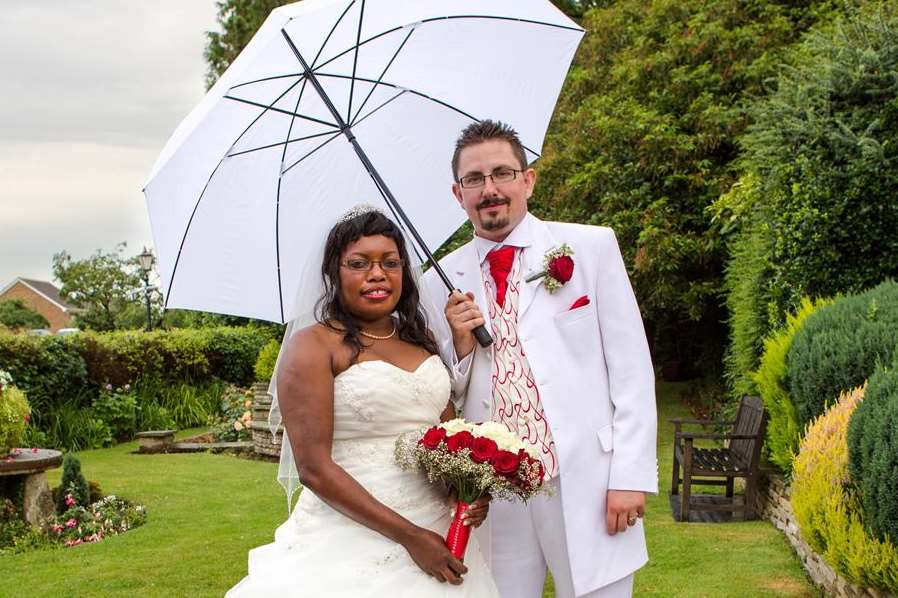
569 371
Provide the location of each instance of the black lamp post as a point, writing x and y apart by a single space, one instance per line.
146 264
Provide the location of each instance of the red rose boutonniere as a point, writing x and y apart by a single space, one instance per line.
557 269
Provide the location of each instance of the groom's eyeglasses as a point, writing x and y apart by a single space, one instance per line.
500 175
362 264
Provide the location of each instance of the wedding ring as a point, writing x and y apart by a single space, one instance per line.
631 521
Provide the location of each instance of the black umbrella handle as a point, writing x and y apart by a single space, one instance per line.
483 337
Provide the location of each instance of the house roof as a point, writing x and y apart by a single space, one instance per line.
46 289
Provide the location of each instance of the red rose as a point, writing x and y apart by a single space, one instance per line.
483 449
561 268
433 437
459 440
506 463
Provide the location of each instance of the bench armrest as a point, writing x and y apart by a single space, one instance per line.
708 436
700 422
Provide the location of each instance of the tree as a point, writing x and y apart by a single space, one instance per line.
644 139
819 179
239 20
104 285
15 314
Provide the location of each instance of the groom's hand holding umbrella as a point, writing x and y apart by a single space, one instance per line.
463 316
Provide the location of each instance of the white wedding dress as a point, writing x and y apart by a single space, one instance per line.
320 552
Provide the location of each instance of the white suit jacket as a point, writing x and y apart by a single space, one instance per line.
595 377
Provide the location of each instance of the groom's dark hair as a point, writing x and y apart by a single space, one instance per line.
485 130
330 310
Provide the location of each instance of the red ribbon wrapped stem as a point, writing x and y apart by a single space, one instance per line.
457 537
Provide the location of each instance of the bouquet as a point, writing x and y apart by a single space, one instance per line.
474 460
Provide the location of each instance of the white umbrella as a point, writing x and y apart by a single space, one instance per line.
334 103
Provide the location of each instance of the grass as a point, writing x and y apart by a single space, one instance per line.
206 511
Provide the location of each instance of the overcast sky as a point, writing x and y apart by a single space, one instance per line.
90 91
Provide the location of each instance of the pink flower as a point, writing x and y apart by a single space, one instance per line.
75 542
56 528
127 387
71 523
27 418
108 387
69 500
237 425
34 450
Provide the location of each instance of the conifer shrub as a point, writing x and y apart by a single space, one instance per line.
840 346
827 507
72 484
873 453
783 430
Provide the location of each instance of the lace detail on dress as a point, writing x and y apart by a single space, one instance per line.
355 398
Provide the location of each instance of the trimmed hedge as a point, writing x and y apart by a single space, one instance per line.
840 346
829 512
177 375
873 453
783 431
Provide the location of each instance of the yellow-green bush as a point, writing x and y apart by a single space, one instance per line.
827 508
268 357
14 412
783 430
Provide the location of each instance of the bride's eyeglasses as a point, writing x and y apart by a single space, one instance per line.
362 264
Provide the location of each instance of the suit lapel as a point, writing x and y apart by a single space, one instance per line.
542 241
468 276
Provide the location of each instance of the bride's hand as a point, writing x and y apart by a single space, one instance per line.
476 513
429 552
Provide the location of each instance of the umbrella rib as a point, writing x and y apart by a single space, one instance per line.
318 55
277 205
435 19
171 280
355 61
271 145
420 94
321 145
281 110
300 75
353 121
361 120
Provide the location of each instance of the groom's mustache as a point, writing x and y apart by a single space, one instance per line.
493 201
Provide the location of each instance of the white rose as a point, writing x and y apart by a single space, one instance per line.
456 425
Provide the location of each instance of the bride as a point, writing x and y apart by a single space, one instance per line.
347 387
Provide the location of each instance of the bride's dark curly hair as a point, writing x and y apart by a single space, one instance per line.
330 311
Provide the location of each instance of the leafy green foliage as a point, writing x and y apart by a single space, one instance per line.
815 211
873 454
644 140
828 510
783 431
15 314
839 347
117 408
74 483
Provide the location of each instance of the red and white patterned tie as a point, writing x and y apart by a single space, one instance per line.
516 401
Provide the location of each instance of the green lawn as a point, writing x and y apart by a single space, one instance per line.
206 511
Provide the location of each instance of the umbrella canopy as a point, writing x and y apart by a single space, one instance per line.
325 94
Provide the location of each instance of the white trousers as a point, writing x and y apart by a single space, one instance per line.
526 540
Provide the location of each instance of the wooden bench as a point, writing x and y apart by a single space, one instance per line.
738 458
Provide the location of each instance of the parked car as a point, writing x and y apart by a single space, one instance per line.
39 332
67 331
